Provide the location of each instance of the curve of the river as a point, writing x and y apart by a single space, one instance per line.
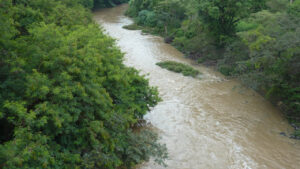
207 123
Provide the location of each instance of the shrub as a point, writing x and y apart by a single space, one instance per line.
146 18
245 26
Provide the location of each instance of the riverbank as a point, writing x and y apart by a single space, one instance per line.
249 55
212 64
211 123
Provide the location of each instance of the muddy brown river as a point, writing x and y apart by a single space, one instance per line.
206 123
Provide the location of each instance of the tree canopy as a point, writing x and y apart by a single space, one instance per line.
66 99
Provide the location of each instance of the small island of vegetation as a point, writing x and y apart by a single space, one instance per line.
186 70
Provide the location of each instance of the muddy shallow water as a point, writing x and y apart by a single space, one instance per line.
206 123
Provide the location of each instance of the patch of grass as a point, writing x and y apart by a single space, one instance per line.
144 29
133 27
186 70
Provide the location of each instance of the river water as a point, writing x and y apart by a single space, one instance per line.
206 123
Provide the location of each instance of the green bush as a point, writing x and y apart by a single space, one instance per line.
186 70
147 18
294 9
225 69
138 5
245 26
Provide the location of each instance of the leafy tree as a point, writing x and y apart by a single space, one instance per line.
222 16
66 99
294 9
138 5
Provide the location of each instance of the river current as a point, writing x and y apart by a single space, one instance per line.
206 123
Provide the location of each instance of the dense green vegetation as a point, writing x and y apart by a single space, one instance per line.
257 41
105 3
186 70
66 99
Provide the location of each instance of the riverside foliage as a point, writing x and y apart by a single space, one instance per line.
186 70
66 99
257 41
